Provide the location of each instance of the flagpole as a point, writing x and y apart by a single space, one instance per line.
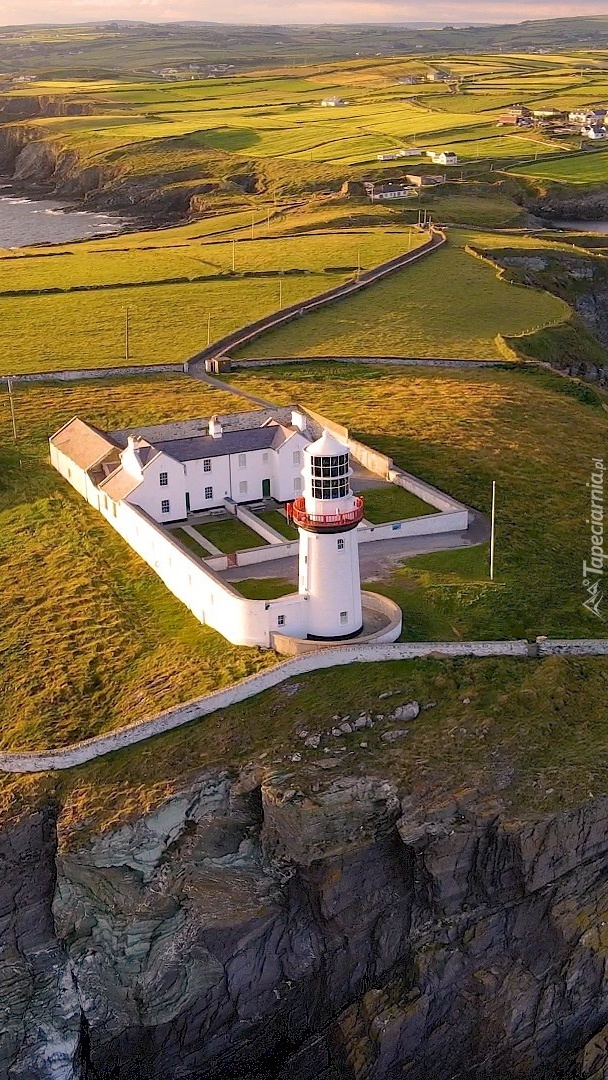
493 527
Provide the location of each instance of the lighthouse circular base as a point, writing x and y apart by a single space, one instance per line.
382 621
342 637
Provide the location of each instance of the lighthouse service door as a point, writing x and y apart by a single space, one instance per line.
265 489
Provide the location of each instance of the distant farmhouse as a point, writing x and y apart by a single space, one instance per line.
419 180
394 155
438 76
333 102
411 80
442 157
517 116
381 190
587 117
594 132
548 113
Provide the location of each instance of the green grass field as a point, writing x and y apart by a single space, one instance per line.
189 542
150 275
534 434
544 721
590 167
263 588
448 305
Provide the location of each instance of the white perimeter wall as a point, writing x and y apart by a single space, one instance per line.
211 601
429 525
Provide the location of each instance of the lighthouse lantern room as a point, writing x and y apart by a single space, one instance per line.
327 516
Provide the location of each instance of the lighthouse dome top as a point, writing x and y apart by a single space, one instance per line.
326 446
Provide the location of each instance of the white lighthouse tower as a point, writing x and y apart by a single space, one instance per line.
327 517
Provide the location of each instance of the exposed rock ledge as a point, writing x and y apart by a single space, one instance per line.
347 934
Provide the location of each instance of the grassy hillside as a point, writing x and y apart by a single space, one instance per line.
108 643
531 732
534 434
139 47
448 305
267 133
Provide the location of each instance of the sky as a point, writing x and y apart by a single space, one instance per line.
297 11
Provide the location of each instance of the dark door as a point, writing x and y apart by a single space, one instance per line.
265 489
187 502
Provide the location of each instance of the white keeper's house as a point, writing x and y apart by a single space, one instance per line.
172 477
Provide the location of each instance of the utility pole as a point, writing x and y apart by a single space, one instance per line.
493 526
280 292
208 329
358 262
9 384
233 256
127 352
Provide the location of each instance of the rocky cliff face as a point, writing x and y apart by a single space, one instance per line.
40 1030
248 929
592 206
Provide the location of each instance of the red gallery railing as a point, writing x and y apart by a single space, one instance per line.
296 512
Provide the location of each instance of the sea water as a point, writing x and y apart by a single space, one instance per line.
46 221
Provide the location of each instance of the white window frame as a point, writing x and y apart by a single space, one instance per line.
208 492
163 479
280 620
206 464
297 457
242 461
243 486
340 543
343 617
297 483
165 506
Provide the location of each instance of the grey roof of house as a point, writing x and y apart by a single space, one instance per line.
231 442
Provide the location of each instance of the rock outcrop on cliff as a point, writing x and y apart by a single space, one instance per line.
40 1026
249 929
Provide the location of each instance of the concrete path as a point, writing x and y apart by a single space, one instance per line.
202 541
378 558
197 371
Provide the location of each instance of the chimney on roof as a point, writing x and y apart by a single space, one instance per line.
215 428
132 442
